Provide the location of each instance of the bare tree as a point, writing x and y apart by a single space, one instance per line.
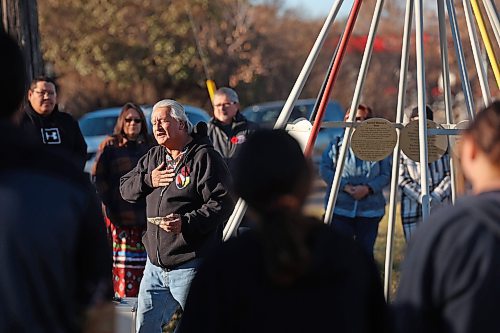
20 20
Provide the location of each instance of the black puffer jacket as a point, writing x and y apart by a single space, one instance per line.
200 194
228 138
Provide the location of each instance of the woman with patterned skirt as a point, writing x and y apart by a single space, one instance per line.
126 221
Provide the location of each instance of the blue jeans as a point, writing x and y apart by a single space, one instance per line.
160 294
362 229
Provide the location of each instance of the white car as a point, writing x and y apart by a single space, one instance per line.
97 125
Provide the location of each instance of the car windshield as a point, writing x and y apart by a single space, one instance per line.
97 126
267 115
196 118
104 125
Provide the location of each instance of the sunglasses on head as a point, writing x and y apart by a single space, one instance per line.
135 120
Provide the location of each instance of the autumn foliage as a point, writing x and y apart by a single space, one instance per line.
105 53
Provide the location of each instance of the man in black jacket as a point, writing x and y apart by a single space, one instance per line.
185 183
58 130
54 254
228 128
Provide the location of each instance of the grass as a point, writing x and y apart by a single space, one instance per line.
399 247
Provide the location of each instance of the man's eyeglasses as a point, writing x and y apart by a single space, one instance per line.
224 105
42 93
135 120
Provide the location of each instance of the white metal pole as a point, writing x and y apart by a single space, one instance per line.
306 69
403 73
445 73
476 51
230 228
422 119
241 207
464 77
492 13
354 106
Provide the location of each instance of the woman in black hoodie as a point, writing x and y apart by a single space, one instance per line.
292 273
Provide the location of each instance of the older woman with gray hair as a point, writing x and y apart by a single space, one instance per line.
186 186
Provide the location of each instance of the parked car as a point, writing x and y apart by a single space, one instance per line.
267 113
96 125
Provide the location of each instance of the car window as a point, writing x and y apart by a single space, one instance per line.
97 126
195 118
333 113
252 116
267 115
301 111
270 116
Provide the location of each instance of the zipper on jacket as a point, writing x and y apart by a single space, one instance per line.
158 230
158 227
177 167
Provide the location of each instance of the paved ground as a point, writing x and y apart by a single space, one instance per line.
315 202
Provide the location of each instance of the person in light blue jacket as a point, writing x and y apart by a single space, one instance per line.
360 202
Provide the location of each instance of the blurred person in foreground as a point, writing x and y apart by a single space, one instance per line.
126 222
55 259
186 185
228 128
450 277
360 202
290 274
59 131
409 184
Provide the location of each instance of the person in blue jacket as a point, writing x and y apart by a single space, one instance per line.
360 202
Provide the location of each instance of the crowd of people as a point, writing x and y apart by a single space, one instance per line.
151 225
